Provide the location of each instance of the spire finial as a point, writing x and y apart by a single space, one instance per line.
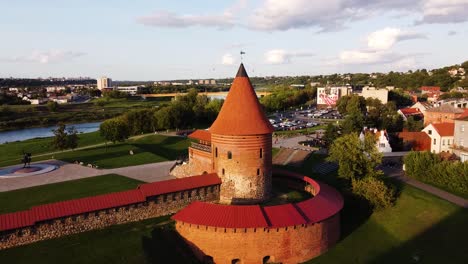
241 53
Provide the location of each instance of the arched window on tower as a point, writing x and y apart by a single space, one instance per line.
216 152
229 155
258 172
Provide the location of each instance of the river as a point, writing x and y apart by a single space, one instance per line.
39 132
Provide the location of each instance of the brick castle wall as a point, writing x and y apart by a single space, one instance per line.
155 206
295 244
246 173
200 161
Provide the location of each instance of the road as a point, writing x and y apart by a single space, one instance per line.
399 174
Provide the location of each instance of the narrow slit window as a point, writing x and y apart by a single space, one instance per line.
261 153
258 172
229 155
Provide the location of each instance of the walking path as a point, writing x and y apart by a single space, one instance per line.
67 171
399 174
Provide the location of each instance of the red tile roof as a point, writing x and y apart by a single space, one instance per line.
420 140
161 187
241 113
199 134
284 215
430 88
326 203
68 208
410 111
86 205
225 216
15 220
445 129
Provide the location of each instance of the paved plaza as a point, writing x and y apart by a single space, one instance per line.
68 171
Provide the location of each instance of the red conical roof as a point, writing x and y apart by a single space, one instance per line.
241 113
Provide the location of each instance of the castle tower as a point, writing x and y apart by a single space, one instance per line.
241 145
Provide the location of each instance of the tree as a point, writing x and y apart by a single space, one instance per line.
115 129
375 191
356 159
331 133
163 119
60 137
72 138
413 125
52 106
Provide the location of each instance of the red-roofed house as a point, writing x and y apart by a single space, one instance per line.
418 141
414 112
441 135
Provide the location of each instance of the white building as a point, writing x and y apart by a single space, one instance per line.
441 135
132 90
328 96
372 92
383 144
104 82
460 138
52 89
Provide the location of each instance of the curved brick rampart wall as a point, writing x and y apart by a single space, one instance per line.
246 176
275 241
284 245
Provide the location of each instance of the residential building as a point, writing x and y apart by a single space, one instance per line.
430 89
383 144
328 96
104 82
132 90
422 106
372 92
407 112
460 138
417 141
442 114
441 135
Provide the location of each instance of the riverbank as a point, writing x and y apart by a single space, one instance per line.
15 117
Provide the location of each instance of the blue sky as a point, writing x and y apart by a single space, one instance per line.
158 40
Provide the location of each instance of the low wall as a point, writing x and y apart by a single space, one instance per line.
295 244
154 206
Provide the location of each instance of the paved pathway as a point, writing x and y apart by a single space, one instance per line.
67 171
292 142
399 174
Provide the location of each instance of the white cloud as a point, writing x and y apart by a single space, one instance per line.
386 38
331 15
228 59
224 20
452 33
280 56
44 57
444 11
167 19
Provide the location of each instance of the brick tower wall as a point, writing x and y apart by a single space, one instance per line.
200 161
283 245
246 174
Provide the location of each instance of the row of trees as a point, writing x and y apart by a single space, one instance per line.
284 97
430 168
369 112
183 112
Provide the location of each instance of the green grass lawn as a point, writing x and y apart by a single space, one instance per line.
147 149
23 199
140 242
11 153
421 228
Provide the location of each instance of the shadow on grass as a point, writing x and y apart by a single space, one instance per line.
166 246
444 242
